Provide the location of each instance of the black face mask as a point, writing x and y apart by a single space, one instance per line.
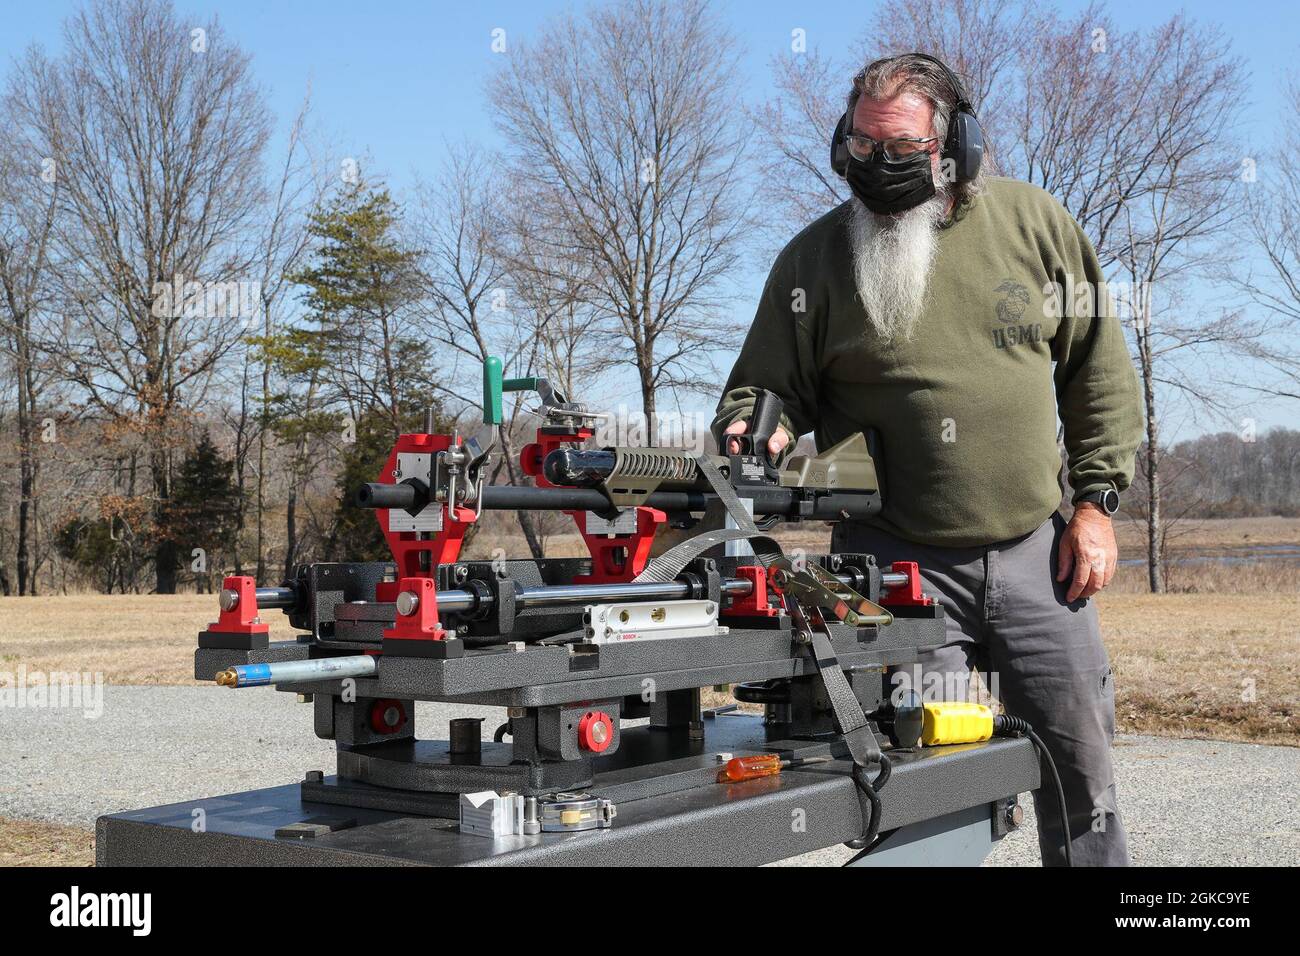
888 188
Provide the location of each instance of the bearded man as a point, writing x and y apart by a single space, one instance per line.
930 307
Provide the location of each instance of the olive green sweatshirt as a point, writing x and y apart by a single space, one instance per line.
967 408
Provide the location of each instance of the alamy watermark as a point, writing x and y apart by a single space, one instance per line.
626 427
53 690
1084 299
233 299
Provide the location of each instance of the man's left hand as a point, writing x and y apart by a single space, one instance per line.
1087 551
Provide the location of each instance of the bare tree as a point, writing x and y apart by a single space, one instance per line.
27 213
623 138
1272 225
1172 222
491 294
793 130
1133 133
281 247
156 131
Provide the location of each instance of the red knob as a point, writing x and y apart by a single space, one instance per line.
387 716
595 731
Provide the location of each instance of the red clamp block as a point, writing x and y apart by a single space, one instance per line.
416 631
238 627
757 602
621 557
908 594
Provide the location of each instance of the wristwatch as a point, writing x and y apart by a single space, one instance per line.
1107 500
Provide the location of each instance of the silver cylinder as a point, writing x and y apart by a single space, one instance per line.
276 597
564 595
322 668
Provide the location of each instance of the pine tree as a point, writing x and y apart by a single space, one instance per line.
202 515
358 372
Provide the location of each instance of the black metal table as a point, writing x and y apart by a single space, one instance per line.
805 808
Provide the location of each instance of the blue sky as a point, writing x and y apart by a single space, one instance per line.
394 81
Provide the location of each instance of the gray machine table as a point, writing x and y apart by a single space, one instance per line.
941 805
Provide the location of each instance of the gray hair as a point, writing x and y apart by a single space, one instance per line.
910 73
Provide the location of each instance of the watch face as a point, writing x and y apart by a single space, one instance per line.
1110 501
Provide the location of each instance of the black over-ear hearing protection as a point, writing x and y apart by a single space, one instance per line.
963 146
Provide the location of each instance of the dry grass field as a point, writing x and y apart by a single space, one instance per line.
28 843
130 639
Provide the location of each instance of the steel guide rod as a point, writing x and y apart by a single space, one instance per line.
768 500
563 595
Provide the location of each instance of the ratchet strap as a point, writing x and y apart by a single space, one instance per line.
849 716
859 736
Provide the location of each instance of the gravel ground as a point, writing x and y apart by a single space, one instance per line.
1186 802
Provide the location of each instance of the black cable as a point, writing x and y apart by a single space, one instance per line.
870 790
501 732
1007 726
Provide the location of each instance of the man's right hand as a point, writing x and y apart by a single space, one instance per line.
775 445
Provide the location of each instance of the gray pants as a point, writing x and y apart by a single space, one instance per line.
1044 660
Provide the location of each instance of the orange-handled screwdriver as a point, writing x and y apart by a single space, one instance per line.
750 768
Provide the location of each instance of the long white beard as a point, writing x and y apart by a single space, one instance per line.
892 258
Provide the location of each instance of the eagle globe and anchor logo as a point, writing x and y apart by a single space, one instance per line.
1011 310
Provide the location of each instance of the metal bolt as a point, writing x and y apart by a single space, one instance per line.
407 602
600 731
1015 815
229 600
461 573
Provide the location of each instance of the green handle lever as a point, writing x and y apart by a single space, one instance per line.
492 387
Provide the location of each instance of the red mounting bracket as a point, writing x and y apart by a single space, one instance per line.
417 613
757 602
240 617
238 626
419 553
908 594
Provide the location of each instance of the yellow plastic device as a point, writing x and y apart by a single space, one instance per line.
955 722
